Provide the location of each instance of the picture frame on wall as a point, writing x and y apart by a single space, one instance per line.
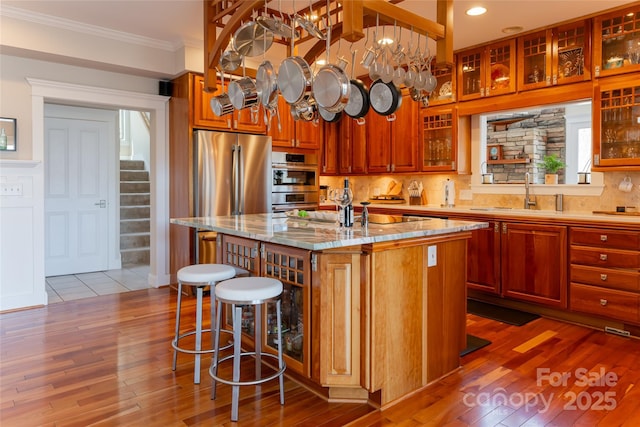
8 134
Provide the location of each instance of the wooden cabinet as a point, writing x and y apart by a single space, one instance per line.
527 262
605 273
555 56
438 139
294 133
392 145
534 263
344 148
445 91
616 42
487 71
292 267
483 259
244 120
616 122
339 282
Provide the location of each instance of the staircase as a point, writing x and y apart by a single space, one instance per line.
135 208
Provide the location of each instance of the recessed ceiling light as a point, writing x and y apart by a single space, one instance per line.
475 11
321 61
385 41
512 30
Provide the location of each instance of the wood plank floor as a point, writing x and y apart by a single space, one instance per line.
107 361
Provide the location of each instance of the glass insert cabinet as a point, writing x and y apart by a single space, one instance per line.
292 267
438 139
617 42
616 122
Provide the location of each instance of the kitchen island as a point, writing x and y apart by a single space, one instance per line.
370 314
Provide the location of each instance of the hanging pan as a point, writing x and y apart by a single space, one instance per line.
328 116
358 104
385 98
252 39
331 87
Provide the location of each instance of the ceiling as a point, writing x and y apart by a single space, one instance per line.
179 22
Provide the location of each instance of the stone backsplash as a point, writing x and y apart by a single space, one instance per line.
365 186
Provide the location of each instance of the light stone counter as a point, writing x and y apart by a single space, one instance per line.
562 216
318 235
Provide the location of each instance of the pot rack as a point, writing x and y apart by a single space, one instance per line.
228 15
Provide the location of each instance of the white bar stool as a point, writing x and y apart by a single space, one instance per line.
199 276
240 292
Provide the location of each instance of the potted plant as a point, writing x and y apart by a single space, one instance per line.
552 164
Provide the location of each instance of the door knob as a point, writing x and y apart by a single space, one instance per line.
101 203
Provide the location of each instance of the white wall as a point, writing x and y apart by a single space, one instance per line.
21 273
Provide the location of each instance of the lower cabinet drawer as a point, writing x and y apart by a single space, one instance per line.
606 277
605 257
619 305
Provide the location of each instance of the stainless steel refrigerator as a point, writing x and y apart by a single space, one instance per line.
233 173
232 177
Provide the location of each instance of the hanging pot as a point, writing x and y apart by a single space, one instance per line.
295 79
328 116
358 104
243 93
276 26
221 105
385 98
306 110
230 60
267 84
252 39
331 88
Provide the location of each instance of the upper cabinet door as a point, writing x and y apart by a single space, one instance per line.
572 53
203 116
445 91
555 56
439 136
501 68
487 71
616 47
470 74
535 60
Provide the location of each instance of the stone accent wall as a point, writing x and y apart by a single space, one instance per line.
532 138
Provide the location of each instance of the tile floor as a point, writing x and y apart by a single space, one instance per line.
85 285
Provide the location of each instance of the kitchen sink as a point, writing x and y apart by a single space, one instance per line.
490 208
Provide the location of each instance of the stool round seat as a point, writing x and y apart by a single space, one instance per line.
205 273
248 290
198 276
241 272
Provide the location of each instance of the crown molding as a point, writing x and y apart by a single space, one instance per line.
79 27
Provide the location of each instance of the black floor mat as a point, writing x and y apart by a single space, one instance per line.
501 314
474 343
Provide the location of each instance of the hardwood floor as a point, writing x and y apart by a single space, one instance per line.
107 361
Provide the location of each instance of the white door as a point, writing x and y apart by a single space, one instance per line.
79 147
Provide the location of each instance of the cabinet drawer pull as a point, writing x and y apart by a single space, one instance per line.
603 277
603 257
603 237
603 302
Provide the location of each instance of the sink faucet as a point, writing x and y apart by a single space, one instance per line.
528 202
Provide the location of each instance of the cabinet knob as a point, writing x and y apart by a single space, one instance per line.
504 228
496 227
603 257
482 91
603 302
603 237
603 277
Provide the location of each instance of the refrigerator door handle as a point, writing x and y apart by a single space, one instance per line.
235 178
240 188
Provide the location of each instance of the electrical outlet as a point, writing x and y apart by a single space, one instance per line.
432 256
7 189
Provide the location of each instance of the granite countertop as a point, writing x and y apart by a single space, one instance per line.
319 235
568 216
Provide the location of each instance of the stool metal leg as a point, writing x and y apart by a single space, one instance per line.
175 339
196 369
235 389
257 335
280 361
216 347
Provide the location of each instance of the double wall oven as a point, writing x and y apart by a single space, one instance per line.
295 181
